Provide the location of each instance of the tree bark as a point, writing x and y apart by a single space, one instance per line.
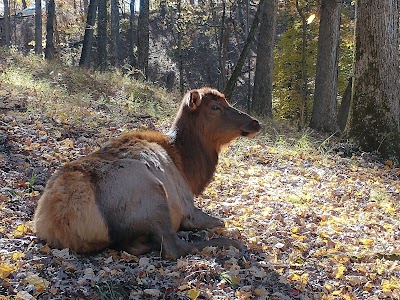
7 27
345 106
143 37
88 38
223 35
85 7
324 115
132 56
180 56
38 27
230 85
115 31
51 14
262 94
304 76
375 108
102 34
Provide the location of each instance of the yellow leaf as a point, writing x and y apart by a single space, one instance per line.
5 270
348 297
300 238
295 229
367 242
193 294
336 293
17 255
20 230
304 278
390 285
183 287
339 271
328 287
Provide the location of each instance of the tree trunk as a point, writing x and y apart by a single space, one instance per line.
132 56
85 7
115 31
102 34
163 8
180 57
51 14
345 106
88 38
324 115
7 27
24 4
304 89
38 27
143 37
230 85
375 108
221 48
262 94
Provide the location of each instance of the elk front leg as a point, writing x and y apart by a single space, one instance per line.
198 220
172 247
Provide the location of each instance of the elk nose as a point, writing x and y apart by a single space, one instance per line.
255 125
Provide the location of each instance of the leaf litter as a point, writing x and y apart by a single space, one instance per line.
316 225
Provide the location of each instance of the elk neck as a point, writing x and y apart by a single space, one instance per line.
198 156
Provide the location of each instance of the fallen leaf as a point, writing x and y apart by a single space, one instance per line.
193 294
5 270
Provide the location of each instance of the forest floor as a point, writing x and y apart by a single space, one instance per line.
318 224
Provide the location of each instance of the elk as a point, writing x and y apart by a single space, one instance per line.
136 192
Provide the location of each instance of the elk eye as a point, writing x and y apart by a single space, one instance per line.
215 107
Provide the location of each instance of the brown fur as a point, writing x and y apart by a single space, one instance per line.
137 191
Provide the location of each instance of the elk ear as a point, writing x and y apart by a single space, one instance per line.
194 99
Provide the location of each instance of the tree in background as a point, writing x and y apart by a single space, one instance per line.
102 35
7 27
115 31
294 57
230 85
38 27
324 114
262 94
51 14
88 38
374 121
132 56
143 37
304 76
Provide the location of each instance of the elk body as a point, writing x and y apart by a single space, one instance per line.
137 191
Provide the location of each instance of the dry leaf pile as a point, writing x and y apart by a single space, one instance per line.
316 225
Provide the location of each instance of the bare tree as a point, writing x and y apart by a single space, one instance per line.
374 120
131 33
51 14
115 31
143 37
180 57
88 38
7 27
102 34
230 85
304 76
262 94
324 115
38 27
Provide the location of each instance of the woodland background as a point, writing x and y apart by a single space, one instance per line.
292 60
315 203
